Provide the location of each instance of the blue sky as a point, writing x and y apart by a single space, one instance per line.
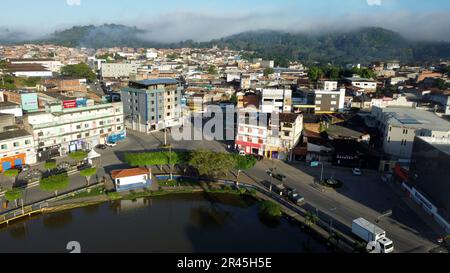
206 19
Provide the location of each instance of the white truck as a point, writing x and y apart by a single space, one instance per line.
373 235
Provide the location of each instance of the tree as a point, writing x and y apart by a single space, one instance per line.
14 195
441 84
88 173
211 164
78 155
81 70
156 159
233 99
311 218
243 163
54 183
315 73
268 71
270 210
212 70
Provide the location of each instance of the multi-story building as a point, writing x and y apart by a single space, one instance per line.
427 183
52 65
152 105
269 135
16 149
276 100
329 101
399 126
64 128
119 70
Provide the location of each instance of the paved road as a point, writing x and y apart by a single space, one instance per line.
364 197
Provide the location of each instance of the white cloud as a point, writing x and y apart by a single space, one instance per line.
374 2
73 2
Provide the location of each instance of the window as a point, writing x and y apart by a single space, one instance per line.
27 142
16 144
102 131
86 135
118 120
78 127
118 181
168 114
86 126
41 134
119 128
79 136
102 122
4 146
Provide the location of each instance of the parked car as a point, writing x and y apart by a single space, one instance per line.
279 176
296 198
111 144
356 171
101 147
289 190
242 153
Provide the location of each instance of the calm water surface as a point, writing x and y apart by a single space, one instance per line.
172 224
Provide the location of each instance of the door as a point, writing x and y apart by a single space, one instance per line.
6 166
18 162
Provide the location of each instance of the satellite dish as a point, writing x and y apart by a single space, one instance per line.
373 247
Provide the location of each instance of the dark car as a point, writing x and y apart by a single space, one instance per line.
296 198
101 147
279 176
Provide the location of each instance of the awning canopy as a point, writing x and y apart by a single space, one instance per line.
93 154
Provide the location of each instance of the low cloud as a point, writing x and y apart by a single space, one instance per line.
73 2
181 26
374 2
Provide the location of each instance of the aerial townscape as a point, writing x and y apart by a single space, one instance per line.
259 141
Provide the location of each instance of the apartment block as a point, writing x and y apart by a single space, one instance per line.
152 105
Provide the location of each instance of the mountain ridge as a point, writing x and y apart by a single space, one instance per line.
362 45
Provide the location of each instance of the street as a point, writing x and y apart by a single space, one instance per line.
366 196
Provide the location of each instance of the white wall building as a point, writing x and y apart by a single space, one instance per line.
60 131
276 100
119 70
400 126
16 149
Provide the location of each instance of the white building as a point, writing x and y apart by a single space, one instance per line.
151 54
130 179
276 100
49 64
59 131
119 70
367 84
400 126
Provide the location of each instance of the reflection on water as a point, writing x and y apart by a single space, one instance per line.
209 217
57 220
186 223
18 231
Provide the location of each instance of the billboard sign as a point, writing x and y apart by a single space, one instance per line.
29 102
69 104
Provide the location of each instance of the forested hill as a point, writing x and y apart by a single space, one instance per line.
360 46
363 45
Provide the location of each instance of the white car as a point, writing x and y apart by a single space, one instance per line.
357 171
242 153
111 144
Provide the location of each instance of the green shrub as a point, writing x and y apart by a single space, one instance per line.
270 209
50 165
12 173
13 195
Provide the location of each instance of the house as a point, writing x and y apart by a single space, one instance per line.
130 179
367 84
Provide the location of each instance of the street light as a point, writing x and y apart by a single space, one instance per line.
316 164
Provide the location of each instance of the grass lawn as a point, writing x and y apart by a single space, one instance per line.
180 183
93 192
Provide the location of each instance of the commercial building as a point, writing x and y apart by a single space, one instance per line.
49 64
152 105
11 108
269 135
428 182
68 126
399 126
16 149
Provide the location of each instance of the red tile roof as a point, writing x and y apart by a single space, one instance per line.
129 172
